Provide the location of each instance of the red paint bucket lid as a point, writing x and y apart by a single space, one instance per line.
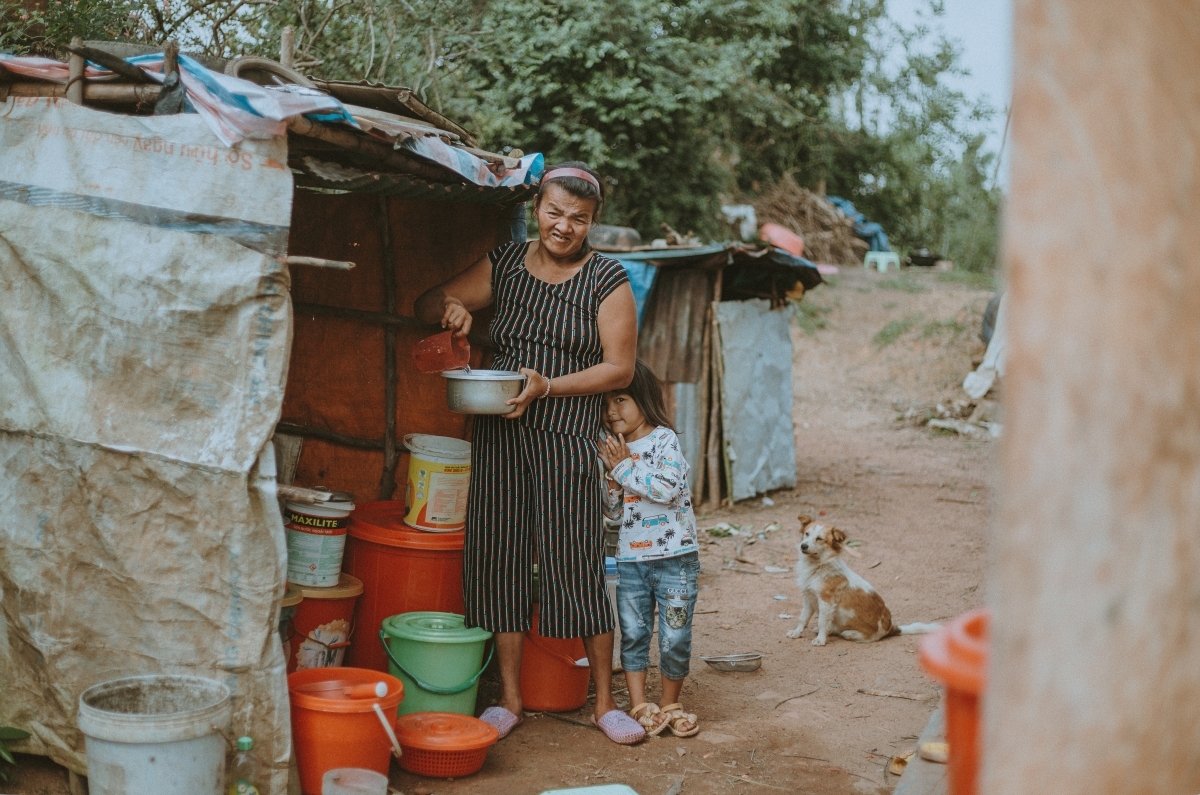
957 654
383 523
444 731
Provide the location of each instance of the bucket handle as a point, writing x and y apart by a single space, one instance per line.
564 659
440 691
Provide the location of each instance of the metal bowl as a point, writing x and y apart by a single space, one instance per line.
482 391
741 663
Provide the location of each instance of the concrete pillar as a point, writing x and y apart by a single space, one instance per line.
1095 679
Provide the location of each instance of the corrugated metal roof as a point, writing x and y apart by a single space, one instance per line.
316 173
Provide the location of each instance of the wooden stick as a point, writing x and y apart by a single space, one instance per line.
75 73
170 58
332 437
93 93
793 698
317 262
287 48
894 694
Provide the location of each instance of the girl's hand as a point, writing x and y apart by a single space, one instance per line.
456 318
535 387
613 451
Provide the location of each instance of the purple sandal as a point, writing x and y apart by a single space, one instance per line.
502 719
620 728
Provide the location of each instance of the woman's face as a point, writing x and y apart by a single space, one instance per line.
563 221
622 414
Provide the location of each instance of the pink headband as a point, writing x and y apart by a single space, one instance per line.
558 173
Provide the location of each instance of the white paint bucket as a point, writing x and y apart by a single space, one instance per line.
353 781
159 734
439 479
316 539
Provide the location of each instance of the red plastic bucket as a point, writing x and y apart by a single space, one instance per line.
551 679
957 654
402 571
331 730
323 625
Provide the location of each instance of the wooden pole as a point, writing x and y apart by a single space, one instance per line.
170 58
76 64
287 47
712 453
1094 678
701 466
391 454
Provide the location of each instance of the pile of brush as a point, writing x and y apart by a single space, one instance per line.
828 234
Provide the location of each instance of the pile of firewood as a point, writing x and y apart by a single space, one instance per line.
828 234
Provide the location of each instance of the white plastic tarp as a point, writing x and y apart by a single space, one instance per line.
144 338
756 395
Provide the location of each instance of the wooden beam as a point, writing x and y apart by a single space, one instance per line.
317 262
381 151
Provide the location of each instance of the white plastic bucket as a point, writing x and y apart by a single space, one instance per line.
353 781
439 479
159 734
316 539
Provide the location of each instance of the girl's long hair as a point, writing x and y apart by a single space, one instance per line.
647 392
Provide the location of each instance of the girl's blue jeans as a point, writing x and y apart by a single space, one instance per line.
669 583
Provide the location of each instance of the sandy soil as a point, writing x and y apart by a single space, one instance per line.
917 501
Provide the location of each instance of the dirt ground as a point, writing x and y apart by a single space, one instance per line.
868 347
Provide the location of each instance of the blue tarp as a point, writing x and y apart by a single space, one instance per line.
867 230
641 279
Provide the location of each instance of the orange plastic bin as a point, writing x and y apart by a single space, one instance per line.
957 655
402 570
551 681
330 729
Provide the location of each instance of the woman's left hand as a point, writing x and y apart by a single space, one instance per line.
535 387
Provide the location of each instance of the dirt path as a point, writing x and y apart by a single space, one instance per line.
916 501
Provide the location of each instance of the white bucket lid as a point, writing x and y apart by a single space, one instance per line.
442 448
155 709
340 504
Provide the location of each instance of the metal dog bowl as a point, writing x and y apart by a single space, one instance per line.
740 663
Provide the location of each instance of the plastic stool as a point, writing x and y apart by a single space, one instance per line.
881 260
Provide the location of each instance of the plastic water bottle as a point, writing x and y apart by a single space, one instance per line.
243 769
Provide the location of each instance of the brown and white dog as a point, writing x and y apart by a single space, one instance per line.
844 602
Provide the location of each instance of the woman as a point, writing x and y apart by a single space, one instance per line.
565 318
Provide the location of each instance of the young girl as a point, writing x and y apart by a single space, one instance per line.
657 557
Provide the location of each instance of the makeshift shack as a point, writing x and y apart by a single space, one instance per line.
175 286
714 324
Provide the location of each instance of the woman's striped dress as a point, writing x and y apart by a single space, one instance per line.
535 488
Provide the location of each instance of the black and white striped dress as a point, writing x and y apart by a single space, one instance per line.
535 489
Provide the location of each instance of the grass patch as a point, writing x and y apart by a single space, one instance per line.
902 284
810 316
892 331
979 280
935 327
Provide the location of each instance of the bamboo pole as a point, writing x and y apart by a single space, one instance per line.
712 455
287 48
93 93
76 65
317 262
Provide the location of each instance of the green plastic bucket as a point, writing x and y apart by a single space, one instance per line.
438 658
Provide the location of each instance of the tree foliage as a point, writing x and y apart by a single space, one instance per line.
681 104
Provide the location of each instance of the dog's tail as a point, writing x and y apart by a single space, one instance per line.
917 628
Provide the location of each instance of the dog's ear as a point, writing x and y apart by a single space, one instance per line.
805 521
837 537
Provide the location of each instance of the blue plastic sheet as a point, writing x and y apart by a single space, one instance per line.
868 230
641 279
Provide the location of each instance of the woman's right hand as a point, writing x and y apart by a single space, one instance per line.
456 317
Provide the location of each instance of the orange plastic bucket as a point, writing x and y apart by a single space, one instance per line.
551 678
402 570
957 655
323 625
332 730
